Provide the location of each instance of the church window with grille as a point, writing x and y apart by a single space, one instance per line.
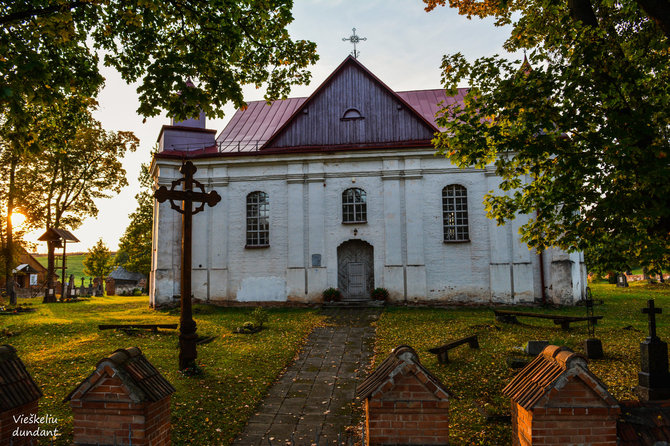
354 206
258 219
455 213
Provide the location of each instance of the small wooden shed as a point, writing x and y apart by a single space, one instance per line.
125 397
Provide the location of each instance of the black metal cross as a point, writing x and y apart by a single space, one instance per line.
354 39
652 312
187 196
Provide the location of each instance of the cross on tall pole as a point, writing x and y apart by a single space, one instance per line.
652 312
187 196
353 38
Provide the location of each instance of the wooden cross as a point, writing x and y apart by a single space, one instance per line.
652 312
187 196
353 38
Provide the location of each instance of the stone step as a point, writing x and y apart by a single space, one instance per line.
354 303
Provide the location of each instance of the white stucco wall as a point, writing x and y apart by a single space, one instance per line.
404 225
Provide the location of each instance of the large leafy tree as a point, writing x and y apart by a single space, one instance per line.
77 162
134 252
581 139
51 46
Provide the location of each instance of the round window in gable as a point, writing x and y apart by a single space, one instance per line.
351 115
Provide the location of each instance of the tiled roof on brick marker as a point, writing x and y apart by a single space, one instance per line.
644 423
402 361
548 373
16 385
141 379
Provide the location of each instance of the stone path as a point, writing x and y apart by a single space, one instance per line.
316 395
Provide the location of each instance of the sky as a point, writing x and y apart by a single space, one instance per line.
404 48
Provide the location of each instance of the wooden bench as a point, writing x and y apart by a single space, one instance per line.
152 327
442 351
564 321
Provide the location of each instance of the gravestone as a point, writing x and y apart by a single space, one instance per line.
654 378
592 346
70 287
82 288
622 281
535 347
90 287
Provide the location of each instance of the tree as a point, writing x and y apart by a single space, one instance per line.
134 252
582 139
98 261
52 47
76 162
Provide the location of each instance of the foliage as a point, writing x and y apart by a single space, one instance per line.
78 162
135 243
581 140
99 261
379 294
332 295
52 47
259 316
61 344
478 376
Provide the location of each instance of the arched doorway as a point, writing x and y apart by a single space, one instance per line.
355 270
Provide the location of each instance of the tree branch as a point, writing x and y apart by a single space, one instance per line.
659 12
39 12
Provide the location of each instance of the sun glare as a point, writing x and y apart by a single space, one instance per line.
18 219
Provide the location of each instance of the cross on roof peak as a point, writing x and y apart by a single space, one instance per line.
354 39
652 311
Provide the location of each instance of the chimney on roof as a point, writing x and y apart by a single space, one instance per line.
189 135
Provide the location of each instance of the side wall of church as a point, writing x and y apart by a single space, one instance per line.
404 227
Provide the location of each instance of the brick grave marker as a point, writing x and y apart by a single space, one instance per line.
557 400
124 398
404 403
19 400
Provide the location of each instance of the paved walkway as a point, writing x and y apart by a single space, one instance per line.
316 395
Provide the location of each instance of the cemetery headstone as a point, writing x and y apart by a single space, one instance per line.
654 378
70 287
592 346
82 288
622 281
535 347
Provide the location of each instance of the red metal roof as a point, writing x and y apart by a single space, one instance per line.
252 127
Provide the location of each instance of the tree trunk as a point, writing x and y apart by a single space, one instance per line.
9 261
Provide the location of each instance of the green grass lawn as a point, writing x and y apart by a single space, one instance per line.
478 376
61 344
75 265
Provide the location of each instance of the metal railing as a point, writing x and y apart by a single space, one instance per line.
222 146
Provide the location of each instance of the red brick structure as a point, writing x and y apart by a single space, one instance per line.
556 400
19 399
124 396
404 403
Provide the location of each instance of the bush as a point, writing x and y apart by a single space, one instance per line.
332 295
137 292
379 294
259 316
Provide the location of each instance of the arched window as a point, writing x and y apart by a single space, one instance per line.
455 213
258 219
354 206
351 114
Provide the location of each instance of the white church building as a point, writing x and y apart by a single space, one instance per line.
343 189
